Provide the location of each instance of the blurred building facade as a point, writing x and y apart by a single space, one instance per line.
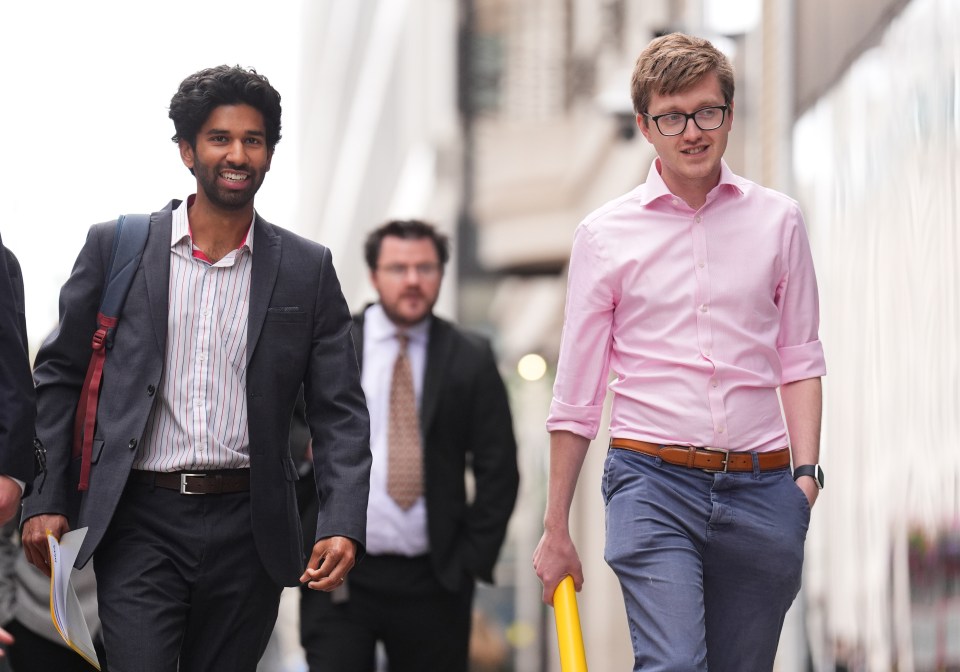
506 121
877 169
382 129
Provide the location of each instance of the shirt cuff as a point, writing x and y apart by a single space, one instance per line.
799 362
580 420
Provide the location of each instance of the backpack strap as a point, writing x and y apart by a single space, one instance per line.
128 244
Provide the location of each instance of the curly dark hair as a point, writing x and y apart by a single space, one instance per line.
408 229
202 92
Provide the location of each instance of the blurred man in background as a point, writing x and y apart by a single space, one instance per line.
438 410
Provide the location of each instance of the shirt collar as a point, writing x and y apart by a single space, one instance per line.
180 227
378 327
655 188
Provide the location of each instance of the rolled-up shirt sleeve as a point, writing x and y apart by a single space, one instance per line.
798 344
580 385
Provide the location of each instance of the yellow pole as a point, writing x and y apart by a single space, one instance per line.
569 634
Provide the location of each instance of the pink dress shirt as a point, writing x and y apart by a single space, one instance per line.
698 315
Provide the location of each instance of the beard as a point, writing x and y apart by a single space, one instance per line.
228 199
405 318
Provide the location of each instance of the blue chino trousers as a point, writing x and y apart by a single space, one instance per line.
708 563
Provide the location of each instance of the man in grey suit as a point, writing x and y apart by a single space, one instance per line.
430 537
191 512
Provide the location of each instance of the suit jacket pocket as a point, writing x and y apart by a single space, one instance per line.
286 314
97 449
74 496
77 462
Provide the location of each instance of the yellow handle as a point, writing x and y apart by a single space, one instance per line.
569 635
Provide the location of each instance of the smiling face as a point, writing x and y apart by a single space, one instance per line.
689 162
230 158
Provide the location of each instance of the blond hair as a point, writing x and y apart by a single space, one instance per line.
675 62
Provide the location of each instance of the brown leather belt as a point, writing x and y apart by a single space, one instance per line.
220 482
708 459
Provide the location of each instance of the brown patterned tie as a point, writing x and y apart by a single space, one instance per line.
404 461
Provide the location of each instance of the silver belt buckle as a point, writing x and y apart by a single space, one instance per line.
726 459
183 483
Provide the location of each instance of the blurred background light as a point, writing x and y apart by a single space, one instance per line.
532 367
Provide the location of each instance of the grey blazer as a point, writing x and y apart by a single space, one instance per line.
299 334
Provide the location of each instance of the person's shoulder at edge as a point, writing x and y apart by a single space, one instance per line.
293 240
597 217
471 337
752 189
466 339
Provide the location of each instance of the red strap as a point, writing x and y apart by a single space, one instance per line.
85 420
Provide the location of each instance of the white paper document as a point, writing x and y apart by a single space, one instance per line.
64 605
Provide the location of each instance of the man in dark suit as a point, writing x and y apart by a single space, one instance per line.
191 513
438 409
17 401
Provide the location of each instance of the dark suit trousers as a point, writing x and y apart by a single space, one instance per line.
180 583
396 600
31 652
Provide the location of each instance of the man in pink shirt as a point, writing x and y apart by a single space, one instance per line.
697 291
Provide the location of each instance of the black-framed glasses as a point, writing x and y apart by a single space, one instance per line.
675 123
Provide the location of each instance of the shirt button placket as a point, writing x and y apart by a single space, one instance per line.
701 273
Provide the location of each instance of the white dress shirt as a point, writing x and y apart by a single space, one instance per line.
390 529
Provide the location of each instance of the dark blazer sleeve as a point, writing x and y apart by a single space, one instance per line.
59 371
336 413
17 400
467 424
493 454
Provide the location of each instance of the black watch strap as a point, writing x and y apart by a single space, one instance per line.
812 470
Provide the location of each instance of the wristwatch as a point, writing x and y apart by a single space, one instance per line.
812 470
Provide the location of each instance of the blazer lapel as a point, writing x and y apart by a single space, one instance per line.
358 336
263 277
156 266
438 352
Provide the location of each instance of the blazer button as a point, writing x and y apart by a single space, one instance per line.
132 444
150 390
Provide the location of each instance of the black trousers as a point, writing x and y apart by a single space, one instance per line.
395 600
180 584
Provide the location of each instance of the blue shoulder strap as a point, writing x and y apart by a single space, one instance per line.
128 244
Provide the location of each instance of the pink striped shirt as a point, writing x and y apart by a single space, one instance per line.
700 316
199 420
